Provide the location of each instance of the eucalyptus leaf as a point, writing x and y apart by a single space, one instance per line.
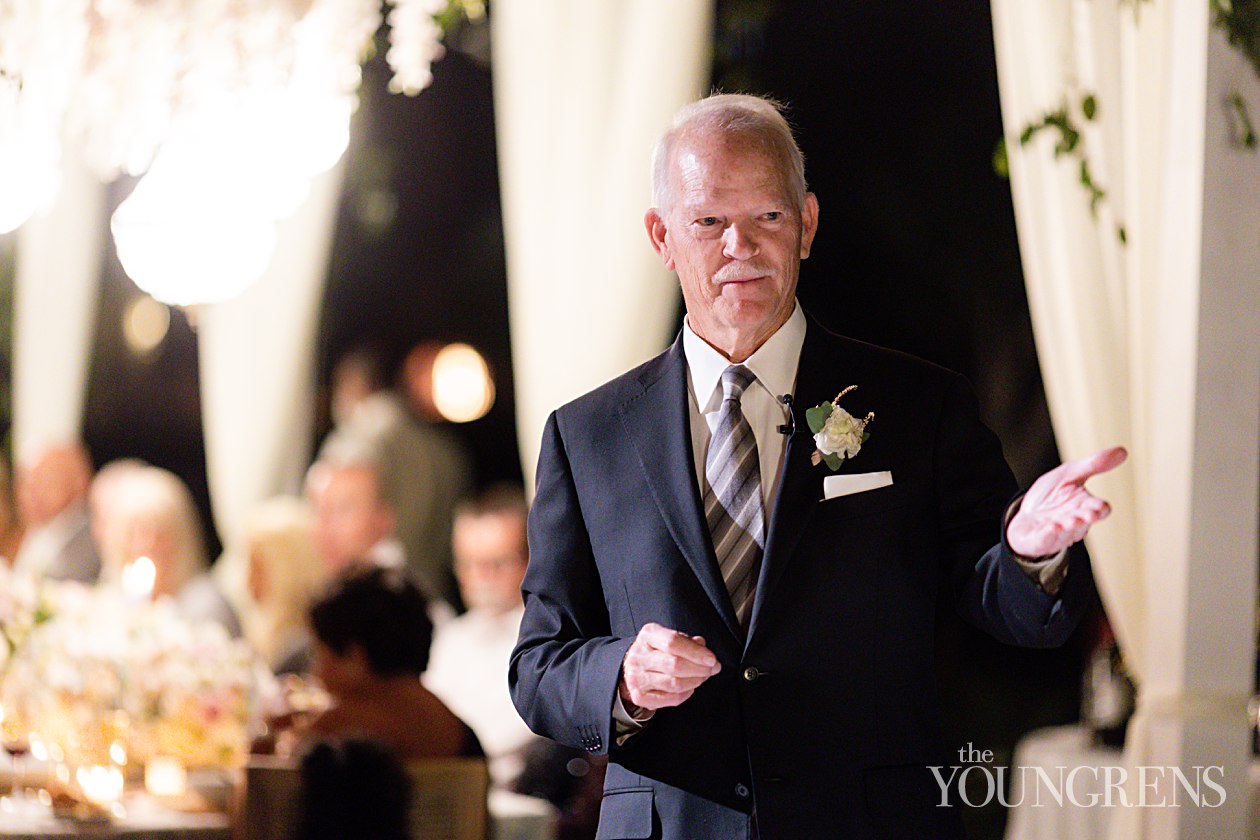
833 461
817 416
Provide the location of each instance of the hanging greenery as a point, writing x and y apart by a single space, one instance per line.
1238 19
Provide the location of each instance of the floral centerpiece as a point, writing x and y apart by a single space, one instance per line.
98 673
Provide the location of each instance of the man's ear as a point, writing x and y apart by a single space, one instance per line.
656 230
809 223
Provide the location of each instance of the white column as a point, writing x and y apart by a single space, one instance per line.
1201 535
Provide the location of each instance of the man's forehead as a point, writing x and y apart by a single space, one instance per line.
707 164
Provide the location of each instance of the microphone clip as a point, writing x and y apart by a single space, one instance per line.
788 428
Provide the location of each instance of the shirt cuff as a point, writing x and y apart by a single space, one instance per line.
625 724
1047 572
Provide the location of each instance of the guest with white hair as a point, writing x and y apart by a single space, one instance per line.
104 498
163 547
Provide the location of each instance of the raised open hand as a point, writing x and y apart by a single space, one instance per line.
1057 510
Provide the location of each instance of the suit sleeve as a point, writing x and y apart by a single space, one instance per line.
974 489
564 671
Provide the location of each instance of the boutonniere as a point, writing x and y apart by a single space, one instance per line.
837 433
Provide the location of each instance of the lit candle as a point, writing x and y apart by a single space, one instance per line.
165 776
138 578
100 785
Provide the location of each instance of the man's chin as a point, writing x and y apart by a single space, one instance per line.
750 311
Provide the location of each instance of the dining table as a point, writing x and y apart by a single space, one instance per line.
141 817
200 813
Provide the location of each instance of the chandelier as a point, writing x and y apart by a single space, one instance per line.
228 108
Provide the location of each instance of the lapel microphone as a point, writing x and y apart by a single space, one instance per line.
788 428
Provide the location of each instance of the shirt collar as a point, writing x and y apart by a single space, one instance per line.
774 363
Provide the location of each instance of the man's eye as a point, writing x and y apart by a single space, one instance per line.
707 221
774 215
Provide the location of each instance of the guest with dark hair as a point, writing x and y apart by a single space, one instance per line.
372 636
355 790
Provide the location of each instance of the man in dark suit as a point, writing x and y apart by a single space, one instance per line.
743 624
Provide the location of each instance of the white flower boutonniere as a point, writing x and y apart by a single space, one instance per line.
837 433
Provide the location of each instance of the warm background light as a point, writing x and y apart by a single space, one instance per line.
164 776
462 388
145 324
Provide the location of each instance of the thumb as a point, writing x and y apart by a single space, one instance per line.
1080 470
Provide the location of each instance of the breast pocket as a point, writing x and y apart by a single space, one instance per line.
865 503
626 814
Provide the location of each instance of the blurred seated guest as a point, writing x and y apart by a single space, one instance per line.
358 789
468 668
469 665
423 469
372 637
354 520
285 578
104 492
163 547
52 499
10 522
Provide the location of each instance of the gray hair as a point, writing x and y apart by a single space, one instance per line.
751 119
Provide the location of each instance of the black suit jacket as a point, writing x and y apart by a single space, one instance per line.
824 716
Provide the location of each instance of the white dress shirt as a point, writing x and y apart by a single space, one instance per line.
468 671
774 364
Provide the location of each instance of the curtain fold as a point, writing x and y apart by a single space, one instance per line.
257 359
1136 348
1081 281
582 90
54 313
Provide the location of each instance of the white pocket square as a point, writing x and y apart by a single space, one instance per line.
846 485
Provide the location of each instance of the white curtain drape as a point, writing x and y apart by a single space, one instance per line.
582 90
54 312
1145 342
257 355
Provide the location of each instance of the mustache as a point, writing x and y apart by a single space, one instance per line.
742 271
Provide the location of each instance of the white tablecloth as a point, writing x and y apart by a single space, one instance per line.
516 817
145 819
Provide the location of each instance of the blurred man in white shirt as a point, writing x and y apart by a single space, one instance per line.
469 661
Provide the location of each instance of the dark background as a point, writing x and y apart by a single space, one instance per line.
896 108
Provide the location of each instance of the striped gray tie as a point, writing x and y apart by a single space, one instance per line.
732 501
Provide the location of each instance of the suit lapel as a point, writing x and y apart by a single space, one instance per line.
801 487
658 422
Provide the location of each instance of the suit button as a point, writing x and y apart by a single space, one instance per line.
741 790
751 674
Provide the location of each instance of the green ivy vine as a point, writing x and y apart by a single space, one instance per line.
1238 19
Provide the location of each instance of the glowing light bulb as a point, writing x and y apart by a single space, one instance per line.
462 388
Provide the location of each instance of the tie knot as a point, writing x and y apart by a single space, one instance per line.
735 379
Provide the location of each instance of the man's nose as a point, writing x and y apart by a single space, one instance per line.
738 243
